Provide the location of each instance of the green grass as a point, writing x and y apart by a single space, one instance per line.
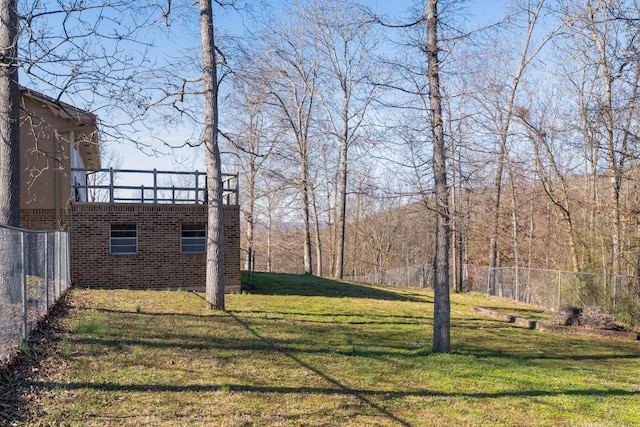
310 351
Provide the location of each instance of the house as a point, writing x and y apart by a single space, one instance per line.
130 229
54 137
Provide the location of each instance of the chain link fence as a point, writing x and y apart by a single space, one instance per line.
554 289
421 276
549 289
415 276
34 273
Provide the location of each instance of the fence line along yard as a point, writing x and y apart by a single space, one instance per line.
551 289
34 274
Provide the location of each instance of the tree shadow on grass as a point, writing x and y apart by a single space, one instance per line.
520 311
372 398
329 390
336 318
307 285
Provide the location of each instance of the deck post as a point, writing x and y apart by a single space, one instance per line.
196 187
155 187
111 179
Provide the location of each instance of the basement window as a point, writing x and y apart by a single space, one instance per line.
193 239
124 239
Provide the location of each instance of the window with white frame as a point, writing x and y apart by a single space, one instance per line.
124 239
193 239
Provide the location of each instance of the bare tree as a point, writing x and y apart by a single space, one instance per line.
9 145
604 73
252 138
291 76
346 41
503 110
441 309
551 173
9 115
214 269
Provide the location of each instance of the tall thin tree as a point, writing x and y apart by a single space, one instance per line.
527 55
9 115
292 83
346 41
441 309
214 269
9 145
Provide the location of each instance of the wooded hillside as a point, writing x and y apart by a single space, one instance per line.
541 129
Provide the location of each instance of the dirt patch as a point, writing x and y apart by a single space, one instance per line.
39 358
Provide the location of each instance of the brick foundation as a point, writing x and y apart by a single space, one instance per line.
159 263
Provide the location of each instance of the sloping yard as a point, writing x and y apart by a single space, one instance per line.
308 351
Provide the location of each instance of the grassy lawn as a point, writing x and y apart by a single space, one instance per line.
309 351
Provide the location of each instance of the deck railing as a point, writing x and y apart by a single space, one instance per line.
148 186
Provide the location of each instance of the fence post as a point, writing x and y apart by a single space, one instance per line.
25 301
517 284
615 287
58 266
489 280
46 273
67 257
558 308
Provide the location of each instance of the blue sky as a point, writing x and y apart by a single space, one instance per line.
228 21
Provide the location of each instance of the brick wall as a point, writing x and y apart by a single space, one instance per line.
43 219
159 263
231 248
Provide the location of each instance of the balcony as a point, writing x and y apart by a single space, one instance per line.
147 186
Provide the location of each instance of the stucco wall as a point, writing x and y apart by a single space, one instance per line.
48 139
159 263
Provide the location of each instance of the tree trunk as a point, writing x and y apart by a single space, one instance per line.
514 220
316 230
456 234
525 59
214 272
601 12
249 216
342 208
9 115
307 258
441 309
355 259
269 231
9 154
495 222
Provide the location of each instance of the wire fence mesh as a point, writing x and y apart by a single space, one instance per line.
34 274
549 289
415 276
554 289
